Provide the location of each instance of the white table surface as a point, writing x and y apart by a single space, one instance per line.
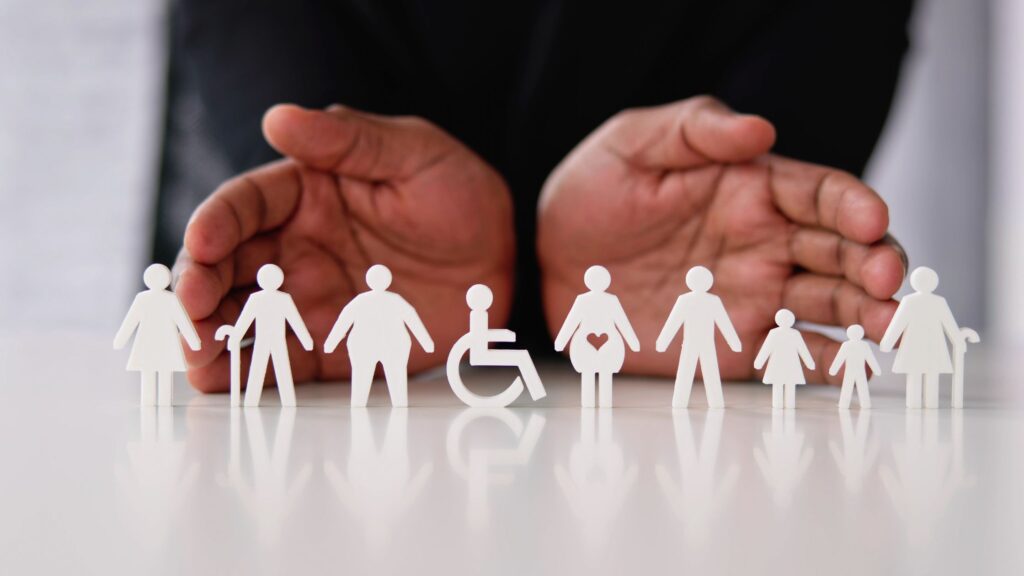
92 484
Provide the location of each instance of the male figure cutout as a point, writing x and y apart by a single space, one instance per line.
855 353
378 320
480 298
270 309
698 313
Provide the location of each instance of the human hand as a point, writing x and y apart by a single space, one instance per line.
655 191
356 189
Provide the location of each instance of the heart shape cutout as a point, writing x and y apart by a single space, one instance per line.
597 340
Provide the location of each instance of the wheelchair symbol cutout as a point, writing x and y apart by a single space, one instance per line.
475 345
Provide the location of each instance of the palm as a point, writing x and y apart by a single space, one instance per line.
650 224
441 225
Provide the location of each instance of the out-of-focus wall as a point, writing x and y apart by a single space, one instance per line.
1006 233
79 98
932 162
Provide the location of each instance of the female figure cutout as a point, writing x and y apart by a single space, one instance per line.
783 350
595 323
922 323
159 317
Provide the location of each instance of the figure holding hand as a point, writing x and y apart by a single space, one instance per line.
597 325
783 350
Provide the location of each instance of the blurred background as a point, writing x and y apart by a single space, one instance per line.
82 89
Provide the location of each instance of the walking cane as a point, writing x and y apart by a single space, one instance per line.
236 378
958 366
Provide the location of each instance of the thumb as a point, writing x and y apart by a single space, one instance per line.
352 143
689 133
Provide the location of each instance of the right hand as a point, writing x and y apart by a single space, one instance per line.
355 189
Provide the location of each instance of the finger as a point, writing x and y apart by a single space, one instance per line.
257 201
350 143
689 133
826 198
226 313
201 287
823 349
877 268
836 302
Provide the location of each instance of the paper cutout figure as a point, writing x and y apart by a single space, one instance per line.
476 342
597 325
377 323
783 350
698 313
271 310
855 353
922 323
158 317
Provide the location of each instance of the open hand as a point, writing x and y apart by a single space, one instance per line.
355 189
655 191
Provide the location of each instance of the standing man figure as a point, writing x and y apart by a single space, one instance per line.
380 322
698 313
270 309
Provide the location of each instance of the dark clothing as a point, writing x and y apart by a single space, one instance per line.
522 82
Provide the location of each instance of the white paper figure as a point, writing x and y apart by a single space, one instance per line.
783 350
270 309
377 324
856 354
477 342
698 313
922 324
159 317
597 325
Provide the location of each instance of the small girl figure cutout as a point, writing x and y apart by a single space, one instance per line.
783 350
597 325
855 353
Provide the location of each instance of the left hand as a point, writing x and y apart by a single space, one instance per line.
655 191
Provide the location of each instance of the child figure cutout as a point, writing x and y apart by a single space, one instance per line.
783 350
855 353
595 323
922 323
377 323
159 317
698 313
271 310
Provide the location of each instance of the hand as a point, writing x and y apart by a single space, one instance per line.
355 190
655 191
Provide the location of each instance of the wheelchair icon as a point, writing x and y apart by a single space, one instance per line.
475 345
